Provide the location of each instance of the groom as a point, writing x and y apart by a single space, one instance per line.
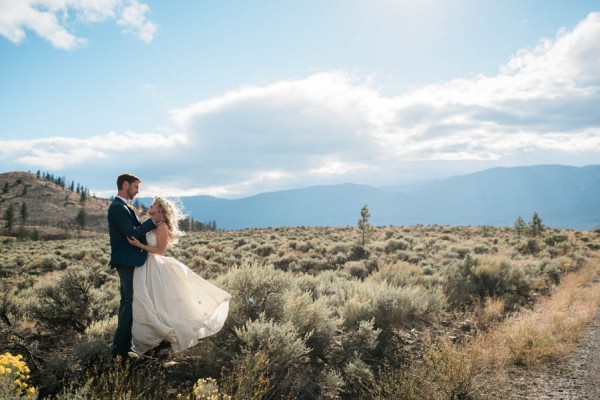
123 223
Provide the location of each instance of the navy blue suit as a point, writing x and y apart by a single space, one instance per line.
123 223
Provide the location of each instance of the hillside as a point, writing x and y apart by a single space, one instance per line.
51 209
564 196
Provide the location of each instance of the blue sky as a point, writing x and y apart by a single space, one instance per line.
233 98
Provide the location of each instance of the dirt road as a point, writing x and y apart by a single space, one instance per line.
575 377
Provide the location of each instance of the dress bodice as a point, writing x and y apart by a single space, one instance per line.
151 239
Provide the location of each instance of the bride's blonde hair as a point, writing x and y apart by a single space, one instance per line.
173 215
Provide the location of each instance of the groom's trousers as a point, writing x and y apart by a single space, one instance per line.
122 340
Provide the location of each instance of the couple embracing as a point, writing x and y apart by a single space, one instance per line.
162 300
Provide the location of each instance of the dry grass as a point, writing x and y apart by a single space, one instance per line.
475 368
549 331
352 308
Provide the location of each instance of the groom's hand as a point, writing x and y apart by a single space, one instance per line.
157 219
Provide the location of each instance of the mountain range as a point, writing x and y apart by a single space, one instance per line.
563 196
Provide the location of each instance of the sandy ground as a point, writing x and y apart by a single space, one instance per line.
577 376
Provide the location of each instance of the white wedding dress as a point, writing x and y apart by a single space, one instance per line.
172 303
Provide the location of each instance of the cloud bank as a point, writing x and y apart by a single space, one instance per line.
52 19
331 127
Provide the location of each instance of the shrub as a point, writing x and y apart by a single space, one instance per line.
121 381
391 245
208 389
70 303
313 320
285 262
447 371
358 252
255 290
249 379
284 351
14 375
553 240
399 273
488 277
359 378
363 339
532 246
90 353
331 383
357 269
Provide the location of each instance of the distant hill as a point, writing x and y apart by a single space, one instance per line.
50 208
565 197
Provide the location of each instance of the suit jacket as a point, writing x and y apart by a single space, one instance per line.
123 223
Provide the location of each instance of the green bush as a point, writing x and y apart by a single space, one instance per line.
488 277
69 304
313 320
256 290
285 352
391 245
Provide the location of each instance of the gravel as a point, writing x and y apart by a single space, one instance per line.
577 376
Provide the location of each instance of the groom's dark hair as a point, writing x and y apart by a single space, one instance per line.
126 178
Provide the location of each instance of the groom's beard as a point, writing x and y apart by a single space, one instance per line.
130 195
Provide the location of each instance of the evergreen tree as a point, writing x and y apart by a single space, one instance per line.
520 226
23 213
363 223
82 197
5 188
81 219
9 217
536 227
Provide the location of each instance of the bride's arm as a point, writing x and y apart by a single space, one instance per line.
162 232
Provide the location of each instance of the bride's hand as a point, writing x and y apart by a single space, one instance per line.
134 242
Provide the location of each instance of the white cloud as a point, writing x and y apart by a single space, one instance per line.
133 19
333 126
62 152
51 19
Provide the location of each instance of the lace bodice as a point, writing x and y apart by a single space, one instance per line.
151 239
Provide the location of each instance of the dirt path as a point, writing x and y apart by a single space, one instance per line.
575 377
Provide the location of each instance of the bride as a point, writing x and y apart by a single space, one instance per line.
171 302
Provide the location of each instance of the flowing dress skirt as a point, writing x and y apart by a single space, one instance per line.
172 303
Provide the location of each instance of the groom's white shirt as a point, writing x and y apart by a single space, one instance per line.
122 198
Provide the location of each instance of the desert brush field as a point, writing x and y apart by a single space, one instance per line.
417 312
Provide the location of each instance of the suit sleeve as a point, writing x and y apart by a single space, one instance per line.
121 219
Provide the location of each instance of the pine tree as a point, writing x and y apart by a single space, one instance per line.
81 219
363 223
5 188
23 213
520 226
536 227
9 217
